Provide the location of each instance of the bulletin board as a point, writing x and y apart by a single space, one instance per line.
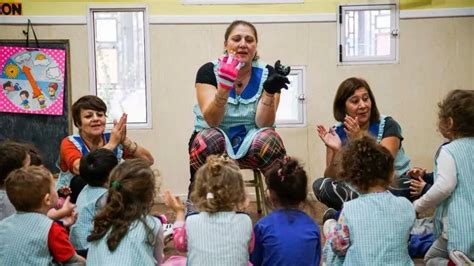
35 95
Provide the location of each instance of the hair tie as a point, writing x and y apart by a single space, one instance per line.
209 195
116 184
280 174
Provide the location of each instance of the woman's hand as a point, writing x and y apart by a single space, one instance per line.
277 80
118 134
416 172
228 70
416 186
351 127
330 138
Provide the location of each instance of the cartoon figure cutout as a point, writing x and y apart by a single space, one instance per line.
32 80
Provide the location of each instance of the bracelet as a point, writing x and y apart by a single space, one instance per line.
267 104
127 146
130 150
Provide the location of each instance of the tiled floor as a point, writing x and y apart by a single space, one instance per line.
314 209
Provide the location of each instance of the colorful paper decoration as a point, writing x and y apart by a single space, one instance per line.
32 80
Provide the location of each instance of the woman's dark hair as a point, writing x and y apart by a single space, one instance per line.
87 102
345 90
459 106
366 164
289 182
236 23
221 177
130 198
96 166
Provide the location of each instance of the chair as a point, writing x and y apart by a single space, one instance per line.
257 182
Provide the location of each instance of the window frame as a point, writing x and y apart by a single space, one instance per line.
147 53
394 56
300 72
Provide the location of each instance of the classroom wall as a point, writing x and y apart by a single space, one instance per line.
436 55
176 7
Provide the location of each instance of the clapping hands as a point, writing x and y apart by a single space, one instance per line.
118 134
351 127
329 137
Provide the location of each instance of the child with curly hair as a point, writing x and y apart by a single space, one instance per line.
287 236
218 234
451 192
374 228
124 233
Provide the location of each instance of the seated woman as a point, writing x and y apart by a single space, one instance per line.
238 97
89 116
355 109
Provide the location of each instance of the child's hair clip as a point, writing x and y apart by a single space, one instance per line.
209 195
280 174
116 184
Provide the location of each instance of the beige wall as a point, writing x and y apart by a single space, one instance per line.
436 55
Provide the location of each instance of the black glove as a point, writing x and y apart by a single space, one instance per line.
277 80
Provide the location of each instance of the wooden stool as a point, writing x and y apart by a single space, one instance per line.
257 182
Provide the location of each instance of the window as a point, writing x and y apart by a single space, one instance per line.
368 34
118 39
291 110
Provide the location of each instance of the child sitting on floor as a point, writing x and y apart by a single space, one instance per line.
372 229
13 155
218 234
94 168
29 237
287 236
124 233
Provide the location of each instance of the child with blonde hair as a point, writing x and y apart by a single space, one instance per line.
30 237
124 232
218 234
287 236
374 228
452 191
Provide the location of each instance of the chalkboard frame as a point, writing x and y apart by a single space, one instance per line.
49 151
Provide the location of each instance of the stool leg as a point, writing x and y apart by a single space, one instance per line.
256 180
262 193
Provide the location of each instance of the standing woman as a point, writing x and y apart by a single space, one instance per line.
238 97
356 110
89 116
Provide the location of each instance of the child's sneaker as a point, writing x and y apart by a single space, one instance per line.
459 258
